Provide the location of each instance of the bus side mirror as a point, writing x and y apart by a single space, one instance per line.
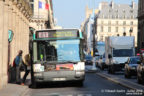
97 55
138 62
109 56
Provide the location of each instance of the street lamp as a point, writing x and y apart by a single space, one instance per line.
130 31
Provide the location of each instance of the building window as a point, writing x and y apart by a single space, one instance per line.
103 16
124 22
124 11
102 22
131 11
116 29
109 22
124 17
131 23
117 16
109 29
117 22
132 17
101 38
32 5
116 10
101 28
109 10
124 29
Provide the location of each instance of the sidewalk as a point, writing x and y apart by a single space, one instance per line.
13 90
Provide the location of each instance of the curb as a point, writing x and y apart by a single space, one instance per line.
117 82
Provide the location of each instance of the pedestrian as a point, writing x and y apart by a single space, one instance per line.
27 63
18 63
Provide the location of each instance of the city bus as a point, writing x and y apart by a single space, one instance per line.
57 55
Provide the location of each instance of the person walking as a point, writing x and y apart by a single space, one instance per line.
27 63
18 63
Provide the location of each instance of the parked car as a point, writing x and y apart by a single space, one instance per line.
101 62
140 73
88 60
131 67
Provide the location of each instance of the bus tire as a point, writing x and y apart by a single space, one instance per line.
80 83
109 69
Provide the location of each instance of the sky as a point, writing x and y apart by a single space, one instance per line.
71 13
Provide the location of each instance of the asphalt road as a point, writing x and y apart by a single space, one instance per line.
120 74
93 86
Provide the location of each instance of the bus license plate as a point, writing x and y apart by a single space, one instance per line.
59 79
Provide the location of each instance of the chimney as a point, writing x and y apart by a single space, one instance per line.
133 4
102 5
112 4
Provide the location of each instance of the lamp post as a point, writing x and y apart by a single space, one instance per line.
130 31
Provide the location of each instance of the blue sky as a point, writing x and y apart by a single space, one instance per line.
71 13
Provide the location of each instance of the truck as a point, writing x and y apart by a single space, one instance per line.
117 51
100 46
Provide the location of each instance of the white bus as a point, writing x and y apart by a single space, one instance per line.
57 55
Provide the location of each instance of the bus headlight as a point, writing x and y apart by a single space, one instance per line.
38 68
79 73
79 66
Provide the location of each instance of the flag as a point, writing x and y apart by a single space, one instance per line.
47 6
41 5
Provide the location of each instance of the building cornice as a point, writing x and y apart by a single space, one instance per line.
24 7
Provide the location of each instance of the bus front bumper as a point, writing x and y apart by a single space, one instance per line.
55 76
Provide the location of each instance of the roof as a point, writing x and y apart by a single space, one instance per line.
119 11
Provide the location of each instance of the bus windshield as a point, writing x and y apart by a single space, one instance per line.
59 50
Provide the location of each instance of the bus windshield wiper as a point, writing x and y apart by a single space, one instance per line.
64 61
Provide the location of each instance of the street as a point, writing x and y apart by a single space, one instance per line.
94 85
71 48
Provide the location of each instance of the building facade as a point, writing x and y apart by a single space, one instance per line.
14 33
42 14
88 29
117 19
141 25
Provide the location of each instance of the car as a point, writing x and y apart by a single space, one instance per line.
88 60
140 73
101 62
130 68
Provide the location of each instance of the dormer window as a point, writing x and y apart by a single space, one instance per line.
131 11
109 10
124 11
116 11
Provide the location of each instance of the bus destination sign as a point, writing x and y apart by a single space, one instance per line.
57 34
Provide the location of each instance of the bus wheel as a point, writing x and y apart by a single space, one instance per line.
34 84
79 83
109 70
138 79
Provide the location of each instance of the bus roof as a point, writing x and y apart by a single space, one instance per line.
58 29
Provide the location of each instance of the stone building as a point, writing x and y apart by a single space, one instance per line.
141 24
87 28
42 14
17 17
14 22
117 19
